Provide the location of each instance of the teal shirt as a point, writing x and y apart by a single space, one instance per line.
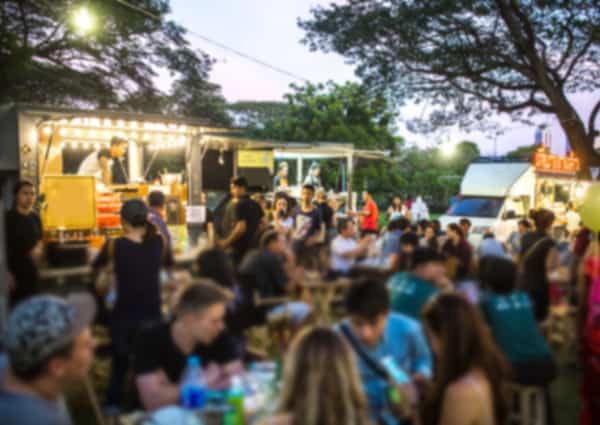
513 324
409 294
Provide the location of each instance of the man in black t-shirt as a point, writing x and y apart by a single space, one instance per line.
248 219
24 247
307 231
161 352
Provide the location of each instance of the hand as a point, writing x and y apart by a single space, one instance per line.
10 282
37 252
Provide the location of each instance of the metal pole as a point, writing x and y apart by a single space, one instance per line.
349 178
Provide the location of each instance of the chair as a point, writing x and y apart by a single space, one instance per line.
529 405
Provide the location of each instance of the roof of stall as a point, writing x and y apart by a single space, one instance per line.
307 150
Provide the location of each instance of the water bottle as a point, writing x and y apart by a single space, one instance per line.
235 398
193 387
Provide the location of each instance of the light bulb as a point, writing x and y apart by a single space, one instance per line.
86 145
47 130
78 132
107 122
182 128
133 124
62 131
96 146
120 123
73 145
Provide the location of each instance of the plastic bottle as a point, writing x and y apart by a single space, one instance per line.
193 387
235 398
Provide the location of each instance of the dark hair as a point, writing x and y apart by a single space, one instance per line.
216 265
436 224
457 229
117 141
32 373
18 187
240 182
423 223
465 222
309 187
157 199
489 235
409 238
268 238
342 223
368 299
199 296
423 255
525 223
542 219
466 343
497 274
104 153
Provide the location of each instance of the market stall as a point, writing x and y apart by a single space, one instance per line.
86 163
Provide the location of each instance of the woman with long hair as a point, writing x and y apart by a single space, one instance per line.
458 251
283 221
396 209
321 385
470 372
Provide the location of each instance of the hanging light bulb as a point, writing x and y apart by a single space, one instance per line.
62 131
133 124
96 146
95 122
92 134
120 123
78 132
182 128
73 145
221 158
107 122
47 130
76 121
85 145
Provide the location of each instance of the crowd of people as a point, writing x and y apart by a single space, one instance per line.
433 330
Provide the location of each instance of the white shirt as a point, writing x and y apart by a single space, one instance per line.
90 166
573 221
339 247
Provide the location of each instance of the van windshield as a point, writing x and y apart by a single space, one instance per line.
477 207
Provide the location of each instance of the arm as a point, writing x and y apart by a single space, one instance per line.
210 232
106 171
460 405
156 390
237 232
218 376
361 249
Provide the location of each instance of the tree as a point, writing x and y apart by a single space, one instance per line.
252 115
466 57
522 152
338 113
44 60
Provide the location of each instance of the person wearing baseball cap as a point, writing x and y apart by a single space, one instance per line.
49 344
136 259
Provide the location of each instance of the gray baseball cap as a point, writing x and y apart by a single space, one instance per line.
42 325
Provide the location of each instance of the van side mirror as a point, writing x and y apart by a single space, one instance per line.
509 215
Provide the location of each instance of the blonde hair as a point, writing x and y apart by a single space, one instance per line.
321 385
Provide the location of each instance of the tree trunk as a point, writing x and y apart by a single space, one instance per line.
581 142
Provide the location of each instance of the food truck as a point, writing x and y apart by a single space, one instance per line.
495 195
49 146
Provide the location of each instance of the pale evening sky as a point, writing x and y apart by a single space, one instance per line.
267 29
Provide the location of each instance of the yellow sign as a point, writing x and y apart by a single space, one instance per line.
255 159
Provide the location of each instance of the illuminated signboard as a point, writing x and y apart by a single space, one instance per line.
546 162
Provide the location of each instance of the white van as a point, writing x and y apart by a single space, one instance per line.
495 196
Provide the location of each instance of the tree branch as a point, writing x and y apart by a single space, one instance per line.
592 120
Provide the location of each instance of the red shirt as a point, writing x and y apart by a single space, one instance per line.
370 222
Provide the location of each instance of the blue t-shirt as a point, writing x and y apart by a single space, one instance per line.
21 409
513 324
404 341
409 294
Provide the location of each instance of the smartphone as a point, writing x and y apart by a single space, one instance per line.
395 371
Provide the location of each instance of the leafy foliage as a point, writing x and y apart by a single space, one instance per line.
253 115
44 60
522 152
336 113
469 57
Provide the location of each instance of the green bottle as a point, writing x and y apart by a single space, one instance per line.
235 398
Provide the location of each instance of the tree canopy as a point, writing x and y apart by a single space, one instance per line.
43 59
343 113
522 152
468 57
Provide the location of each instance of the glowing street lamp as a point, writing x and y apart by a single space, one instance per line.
84 22
448 149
